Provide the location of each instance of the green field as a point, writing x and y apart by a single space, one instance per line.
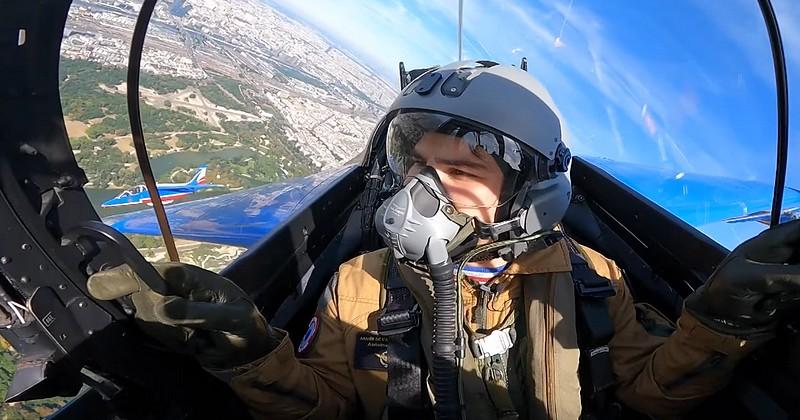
90 95
29 409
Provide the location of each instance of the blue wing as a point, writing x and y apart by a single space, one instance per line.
239 218
716 206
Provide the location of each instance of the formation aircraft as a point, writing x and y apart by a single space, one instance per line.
168 192
297 233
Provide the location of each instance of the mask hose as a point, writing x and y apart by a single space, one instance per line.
445 346
419 222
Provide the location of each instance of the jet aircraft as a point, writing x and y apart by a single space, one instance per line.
297 233
168 192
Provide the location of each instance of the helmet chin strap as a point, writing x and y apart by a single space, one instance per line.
493 231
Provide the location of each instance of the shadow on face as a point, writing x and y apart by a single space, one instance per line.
470 176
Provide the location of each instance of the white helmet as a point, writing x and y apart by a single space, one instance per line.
502 111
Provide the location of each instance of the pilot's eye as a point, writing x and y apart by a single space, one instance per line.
459 173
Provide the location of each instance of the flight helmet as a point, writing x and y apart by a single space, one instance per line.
501 113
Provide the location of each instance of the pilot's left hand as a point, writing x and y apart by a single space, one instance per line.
755 287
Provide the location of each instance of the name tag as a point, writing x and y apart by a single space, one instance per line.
371 352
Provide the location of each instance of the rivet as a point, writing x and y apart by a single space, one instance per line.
5 260
24 279
90 332
26 247
62 336
62 286
452 89
42 267
129 311
81 304
390 221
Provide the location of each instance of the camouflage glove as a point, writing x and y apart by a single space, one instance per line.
755 287
205 315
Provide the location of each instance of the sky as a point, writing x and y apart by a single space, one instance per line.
686 85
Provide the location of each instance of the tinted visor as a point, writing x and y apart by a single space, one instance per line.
473 163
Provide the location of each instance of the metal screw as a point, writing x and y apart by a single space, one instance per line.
26 247
5 260
24 279
448 209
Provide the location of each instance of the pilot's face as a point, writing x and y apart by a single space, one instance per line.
472 179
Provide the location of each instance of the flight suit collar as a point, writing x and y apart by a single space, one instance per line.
553 259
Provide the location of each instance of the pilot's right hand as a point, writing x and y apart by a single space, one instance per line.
205 314
755 287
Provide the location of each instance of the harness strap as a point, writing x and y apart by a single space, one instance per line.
400 322
595 330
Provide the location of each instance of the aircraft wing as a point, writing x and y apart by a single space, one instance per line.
239 218
711 204
717 206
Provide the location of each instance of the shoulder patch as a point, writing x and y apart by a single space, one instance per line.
309 336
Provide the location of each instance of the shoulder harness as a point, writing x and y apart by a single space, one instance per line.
400 322
595 330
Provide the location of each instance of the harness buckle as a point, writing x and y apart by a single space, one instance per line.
398 322
603 290
496 343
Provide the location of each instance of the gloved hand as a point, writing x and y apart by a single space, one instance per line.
754 287
205 314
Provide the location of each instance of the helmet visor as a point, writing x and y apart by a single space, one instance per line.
473 163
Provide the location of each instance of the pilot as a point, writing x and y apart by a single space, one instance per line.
481 306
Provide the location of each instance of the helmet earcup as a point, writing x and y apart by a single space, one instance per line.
545 204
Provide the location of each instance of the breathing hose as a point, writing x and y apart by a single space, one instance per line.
445 346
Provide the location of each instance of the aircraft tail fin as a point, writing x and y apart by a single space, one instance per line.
199 177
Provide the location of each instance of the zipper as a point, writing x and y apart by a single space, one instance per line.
485 295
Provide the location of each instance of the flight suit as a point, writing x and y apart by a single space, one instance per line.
340 369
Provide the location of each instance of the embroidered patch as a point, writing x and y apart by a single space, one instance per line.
371 352
309 336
